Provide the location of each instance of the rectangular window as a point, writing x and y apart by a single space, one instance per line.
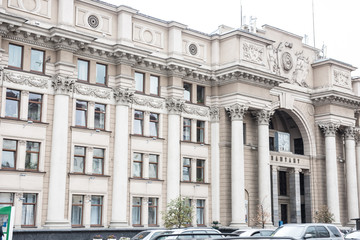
138 122
153 211
101 71
154 124
98 161
12 106
186 169
77 210
283 183
136 211
137 165
28 209
100 111
15 56
9 154
34 107
200 94
200 213
153 166
154 85
81 113
187 129
96 210
6 199
79 159
83 70
32 156
200 131
200 173
187 92
139 82
37 61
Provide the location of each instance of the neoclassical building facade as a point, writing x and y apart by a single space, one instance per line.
107 115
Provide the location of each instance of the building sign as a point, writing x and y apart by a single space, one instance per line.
7 221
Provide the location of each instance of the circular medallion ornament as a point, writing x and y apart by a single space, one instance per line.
287 61
193 49
93 21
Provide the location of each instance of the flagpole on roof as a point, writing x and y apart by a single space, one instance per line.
313 20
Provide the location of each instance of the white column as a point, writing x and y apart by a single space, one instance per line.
275 192
215 164
263 117
332 189
358 168
120 171
58 158
236 113
66 12
174 107
295 198
351 175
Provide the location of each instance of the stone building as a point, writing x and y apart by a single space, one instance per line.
108 114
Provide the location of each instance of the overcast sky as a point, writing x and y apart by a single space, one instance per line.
336 21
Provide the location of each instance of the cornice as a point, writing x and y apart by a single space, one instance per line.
335 97
330 61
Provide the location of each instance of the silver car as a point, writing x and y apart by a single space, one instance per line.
311 231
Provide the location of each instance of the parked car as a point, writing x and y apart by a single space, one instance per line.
190 233
151 234
253 232
353 236
311 230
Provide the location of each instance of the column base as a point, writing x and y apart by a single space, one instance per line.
57 224
118 224
351 224
239 225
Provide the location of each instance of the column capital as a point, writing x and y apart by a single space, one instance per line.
174 105
295 170
62 84
123 96
274 168
214 114
350 132
236 111
329 129
263 116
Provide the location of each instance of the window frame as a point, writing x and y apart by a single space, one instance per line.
143 82
22 57
191 86
35 208
158 85
43 61
141 121
154 122
12 196
32 152
197 95
18 100
188 166
202 209
35 102
82 156
82 210
102 161
141 162
198 131
101 209
100 113
201 169
105 77
132 211
83 110
9 150
87 70
156 164
185 127
151 206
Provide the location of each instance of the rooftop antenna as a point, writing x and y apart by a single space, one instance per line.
313 18
241 16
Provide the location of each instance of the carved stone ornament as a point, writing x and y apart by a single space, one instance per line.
201 111
174 106
123 96
287 61
263 116
193 49
149 102
350 133
329 129
93 21
301 69
62 84
253 53
92 91
236 111
214 114
342 79
26 80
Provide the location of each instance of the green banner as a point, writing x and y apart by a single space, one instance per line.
7 221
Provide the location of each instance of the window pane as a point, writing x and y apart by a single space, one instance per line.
15 55
81 108
187 129
37 60
78 164
137 169
76 215
154 85
97 166
8 154
152 220
186 173
96 210
98 152
153 167
12 108
34 108
153 129
79 150
200 93
100 73
9 144
139 82
99 120
200 211
136 211
187 92
83 70
28 209
31 161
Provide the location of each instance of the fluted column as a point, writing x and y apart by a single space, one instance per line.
308 204
263 118
174 107
215 163
236 113
121 142
63 86
332 188
295 198
275 195
351 175
358 167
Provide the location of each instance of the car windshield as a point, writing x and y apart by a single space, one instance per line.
140 235
160 233
266 233
289 231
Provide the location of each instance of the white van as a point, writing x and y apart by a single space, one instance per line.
311 231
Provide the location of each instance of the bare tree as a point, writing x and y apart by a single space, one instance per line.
324 215
261 217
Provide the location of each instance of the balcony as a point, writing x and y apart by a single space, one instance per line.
288 159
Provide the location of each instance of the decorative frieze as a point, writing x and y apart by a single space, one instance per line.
263 116
214 114
123 96
201 111
253 53
149 102
62 84
174 106
329 129
350 132
28 80
341 78
236 111
92 91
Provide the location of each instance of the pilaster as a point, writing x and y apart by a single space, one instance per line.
275 194
215 163
295 198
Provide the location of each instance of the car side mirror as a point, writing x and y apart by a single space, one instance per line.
308 235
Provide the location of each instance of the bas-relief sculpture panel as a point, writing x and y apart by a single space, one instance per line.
341 78
93 21
37 7
194 49
252 52
147 35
